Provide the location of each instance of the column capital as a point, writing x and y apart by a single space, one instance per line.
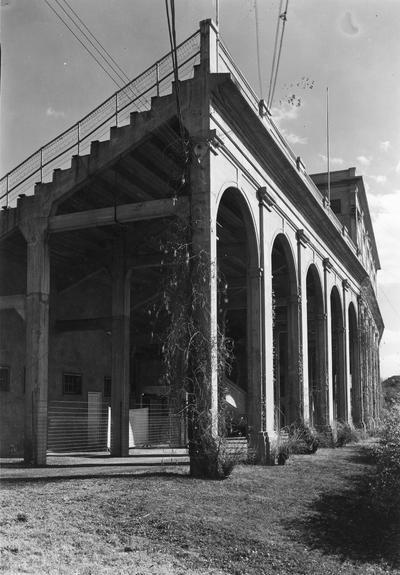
327 264
302 238
265 198
345 284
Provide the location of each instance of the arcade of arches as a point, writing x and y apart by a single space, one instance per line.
318 380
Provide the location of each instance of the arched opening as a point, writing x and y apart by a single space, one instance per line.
337 338
315 344
239 310
285 334
354 367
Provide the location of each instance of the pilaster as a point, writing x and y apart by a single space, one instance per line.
302 242
120 347
34 230
346 392
328 385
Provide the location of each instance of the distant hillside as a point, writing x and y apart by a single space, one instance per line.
391 390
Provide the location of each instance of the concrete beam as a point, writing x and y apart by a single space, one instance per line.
16 301
120 214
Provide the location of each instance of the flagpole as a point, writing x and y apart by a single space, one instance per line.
327 146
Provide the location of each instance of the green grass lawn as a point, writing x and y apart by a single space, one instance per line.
311 516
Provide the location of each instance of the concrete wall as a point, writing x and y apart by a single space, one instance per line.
12 355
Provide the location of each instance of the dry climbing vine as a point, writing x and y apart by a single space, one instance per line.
183 314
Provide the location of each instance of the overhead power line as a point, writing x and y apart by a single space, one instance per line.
174 56
280 30
84 45
117 66
93 46
258 50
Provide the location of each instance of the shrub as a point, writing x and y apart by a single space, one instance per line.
302 439
345 434
385 486
214 459
279 451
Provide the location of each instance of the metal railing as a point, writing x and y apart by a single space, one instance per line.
135 96
157 425
76 426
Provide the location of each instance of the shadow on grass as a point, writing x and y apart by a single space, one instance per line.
348 524
15 481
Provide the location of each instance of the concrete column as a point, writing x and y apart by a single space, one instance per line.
204 269
346 358
266 202
37 340
328 347
367 381
254 393
304 407
322 397
361 362
120 346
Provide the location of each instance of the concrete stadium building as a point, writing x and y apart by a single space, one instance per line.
80 233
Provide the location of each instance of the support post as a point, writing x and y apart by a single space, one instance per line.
120 350
345 368
328 384
304 407
37 341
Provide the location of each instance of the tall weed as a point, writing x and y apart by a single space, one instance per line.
386 483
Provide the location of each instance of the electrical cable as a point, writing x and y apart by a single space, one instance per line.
282 17
258 49
82 43
120 76
274 53
97 41
172 39
116 72
123 78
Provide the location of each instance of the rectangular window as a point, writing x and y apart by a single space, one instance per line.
72 383
4 378
107 387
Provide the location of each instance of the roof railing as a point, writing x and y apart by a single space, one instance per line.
115 111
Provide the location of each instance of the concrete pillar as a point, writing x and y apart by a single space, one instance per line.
322 396
304 407
203 216
346 391
328 347
254 392
265 202
361 362
120 350
37 340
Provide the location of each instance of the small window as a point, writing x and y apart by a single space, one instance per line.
107 387
4 378
72 383
336 206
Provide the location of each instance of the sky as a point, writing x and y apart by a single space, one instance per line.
48 82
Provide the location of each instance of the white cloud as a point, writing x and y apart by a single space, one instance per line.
284 113
293 138
389 351
332 160
385 211
364 160
384 146
51 112
398 167
379 179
